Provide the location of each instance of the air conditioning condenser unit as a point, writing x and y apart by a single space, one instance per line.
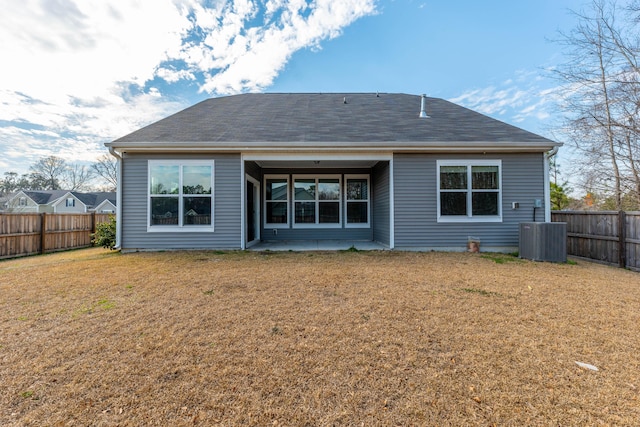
543 241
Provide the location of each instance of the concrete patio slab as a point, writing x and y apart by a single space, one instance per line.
318 245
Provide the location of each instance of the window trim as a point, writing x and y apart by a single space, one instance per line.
317 201
270 225
180 228
469 217
347 224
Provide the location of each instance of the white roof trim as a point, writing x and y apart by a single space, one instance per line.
104 202
336 147
63 198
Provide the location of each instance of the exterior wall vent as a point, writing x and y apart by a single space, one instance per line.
423 107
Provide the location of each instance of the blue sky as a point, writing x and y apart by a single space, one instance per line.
78 73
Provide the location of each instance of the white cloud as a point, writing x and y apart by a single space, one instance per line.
237 57
171 75
71 47
516 100
67 68
492 100
77 134
77 73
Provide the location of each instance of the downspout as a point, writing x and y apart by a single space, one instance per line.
392 208
243 219
547 184
115 154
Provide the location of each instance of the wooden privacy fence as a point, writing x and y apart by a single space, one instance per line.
611 237
37 233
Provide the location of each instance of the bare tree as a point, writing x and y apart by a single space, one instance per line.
49 171
77 178
600 98
106 167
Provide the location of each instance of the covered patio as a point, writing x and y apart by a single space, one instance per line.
326 201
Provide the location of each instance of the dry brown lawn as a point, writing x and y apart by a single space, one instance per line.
93 337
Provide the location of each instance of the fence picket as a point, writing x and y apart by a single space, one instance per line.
611 237
32 233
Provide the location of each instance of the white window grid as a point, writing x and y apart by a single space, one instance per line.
287 201
180 227
469 217
347 200
317 201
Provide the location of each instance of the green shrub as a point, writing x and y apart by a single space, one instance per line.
105 234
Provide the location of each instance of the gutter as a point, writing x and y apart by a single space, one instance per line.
115 154
547 184
337 146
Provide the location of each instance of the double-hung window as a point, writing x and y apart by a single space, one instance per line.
180 195
316 201
70 202
469 190
276 201
357 200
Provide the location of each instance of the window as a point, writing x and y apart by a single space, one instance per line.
180 195
357 200
469 190
316 201
276 201
22 201
71 202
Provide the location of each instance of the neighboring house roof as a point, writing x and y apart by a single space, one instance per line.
105 204
325 120
49 197
44 197
102 196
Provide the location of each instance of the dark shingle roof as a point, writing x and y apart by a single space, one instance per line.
306 117
102 196
42 197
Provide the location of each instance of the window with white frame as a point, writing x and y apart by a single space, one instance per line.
22 201
317 201
469 190
357 200
71 202
276 201
180 195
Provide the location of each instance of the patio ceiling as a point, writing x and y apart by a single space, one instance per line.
317 164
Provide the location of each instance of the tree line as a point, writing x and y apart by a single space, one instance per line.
55 173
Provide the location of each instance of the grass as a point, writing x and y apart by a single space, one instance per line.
373 338
500 258
480 291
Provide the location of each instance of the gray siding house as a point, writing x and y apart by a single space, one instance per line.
408 172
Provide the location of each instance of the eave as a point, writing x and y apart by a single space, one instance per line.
335 147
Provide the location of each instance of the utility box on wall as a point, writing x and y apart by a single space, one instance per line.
543 241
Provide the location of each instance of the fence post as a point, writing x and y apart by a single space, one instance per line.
622 239
43 231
